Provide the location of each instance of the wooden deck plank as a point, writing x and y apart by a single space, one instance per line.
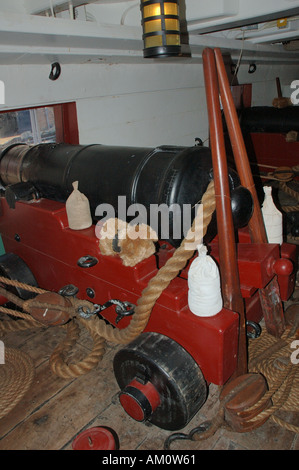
45 386
58 419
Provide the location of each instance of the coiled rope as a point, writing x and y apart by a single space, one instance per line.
15 377
275 359
291 192
98 328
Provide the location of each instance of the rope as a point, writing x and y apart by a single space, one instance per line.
291 192
21 285
58 358
295 195
16 376
272 358
280 174
98 328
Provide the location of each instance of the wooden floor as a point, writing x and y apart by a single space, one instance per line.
55 410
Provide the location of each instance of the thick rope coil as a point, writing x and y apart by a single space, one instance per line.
272 358
58 363
290 192
290 208
16 377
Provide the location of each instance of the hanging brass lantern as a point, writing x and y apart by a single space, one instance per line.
161 28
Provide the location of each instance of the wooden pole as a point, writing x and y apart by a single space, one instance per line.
275 320
256 224
232 297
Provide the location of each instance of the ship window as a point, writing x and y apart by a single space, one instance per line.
56 123
30 126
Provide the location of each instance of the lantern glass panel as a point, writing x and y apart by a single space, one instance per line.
153 41
152 10
172 40
172 24
154 25
171 9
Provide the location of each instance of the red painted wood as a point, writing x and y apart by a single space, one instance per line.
66 123
271 150
51 250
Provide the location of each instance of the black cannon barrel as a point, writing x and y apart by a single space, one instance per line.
269 119
163 175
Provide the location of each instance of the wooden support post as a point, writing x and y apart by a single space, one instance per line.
274 323
256 223
232 297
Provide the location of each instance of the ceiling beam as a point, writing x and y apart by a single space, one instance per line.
38 39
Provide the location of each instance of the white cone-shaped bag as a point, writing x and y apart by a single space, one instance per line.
204 295
272 218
